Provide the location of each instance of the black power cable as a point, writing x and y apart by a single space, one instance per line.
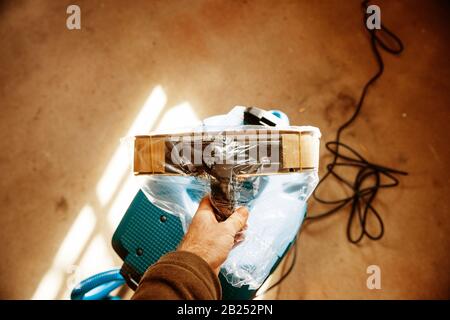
362 198
369 175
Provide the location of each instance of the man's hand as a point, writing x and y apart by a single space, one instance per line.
212 240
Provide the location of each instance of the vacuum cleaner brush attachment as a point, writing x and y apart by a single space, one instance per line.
232 159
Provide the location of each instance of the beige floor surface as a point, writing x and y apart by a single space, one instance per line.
67 97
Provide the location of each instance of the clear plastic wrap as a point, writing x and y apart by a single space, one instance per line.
270 170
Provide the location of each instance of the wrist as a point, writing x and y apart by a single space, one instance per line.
199 252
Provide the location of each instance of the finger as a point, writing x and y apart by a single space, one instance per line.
237 220
205 211
240 236
238 241
240 232
205 204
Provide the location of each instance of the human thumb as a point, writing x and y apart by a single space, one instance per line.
237 220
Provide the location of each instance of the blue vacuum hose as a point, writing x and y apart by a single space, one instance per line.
98 286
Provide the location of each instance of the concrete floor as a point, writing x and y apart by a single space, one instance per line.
67 97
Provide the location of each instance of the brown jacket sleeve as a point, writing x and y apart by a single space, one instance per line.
179 275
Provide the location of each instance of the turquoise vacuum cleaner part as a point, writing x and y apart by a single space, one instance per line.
146 233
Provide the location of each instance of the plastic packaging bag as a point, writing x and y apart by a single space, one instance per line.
270 170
